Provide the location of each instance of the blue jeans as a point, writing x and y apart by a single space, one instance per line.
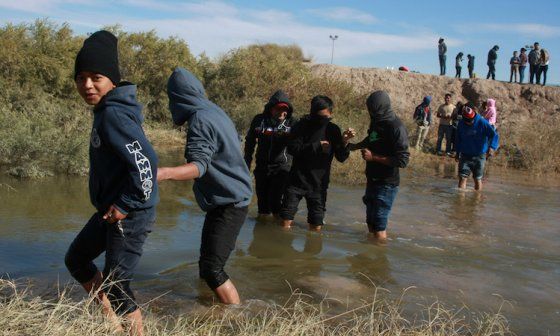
474 164
447 132
521 73
379 200
442 66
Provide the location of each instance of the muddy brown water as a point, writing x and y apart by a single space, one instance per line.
461 247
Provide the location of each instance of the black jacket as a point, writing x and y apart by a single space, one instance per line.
470 64
270 137
492 56
122 161
387 137
311 167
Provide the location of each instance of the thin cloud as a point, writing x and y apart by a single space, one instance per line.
344 14
36 6
526 29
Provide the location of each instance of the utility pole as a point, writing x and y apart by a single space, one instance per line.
333 38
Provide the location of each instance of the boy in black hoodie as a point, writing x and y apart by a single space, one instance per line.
269 132
122 182
315 142
385 150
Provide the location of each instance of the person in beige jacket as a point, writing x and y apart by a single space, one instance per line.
445 129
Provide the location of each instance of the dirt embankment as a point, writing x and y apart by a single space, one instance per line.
515 102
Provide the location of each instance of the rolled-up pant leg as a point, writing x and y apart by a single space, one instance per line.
123 245
88 245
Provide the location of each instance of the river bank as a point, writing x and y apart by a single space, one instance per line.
22 313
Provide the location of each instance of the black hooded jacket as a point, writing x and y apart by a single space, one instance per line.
271 137
311 167
387 137
492 56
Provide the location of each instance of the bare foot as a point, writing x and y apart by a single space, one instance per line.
378 237
286 224
315 228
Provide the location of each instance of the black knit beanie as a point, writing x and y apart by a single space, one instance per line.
99 55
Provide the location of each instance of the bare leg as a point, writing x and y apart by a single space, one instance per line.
462 183
477 184
315 228
287 223
91 287
227 293
134 323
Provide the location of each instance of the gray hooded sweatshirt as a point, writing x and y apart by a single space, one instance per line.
212 144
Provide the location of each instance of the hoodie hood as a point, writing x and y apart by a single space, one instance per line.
278 97
186 96
427 100
490 103
379 107
124 97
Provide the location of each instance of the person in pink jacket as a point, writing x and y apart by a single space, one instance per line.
490 113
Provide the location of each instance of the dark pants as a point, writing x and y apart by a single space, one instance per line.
533 68
315 200
379 200
491 71
521 73
270 190
444 131
122 244
220 231
453 137
541 73
442 65
471 74
458 72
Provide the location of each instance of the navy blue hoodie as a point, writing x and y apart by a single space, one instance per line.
212 144
123 164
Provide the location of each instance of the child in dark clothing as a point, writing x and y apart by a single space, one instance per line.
385 150
315 142
269 132
470 65
122 182
222 184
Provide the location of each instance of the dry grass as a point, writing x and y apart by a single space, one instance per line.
23 314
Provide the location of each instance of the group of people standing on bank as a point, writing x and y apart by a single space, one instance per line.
537 59
293 161
470 136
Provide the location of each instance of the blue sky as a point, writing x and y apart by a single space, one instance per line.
371 33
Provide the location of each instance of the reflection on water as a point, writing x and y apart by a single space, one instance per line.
461 246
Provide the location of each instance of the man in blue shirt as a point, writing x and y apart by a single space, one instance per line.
476 141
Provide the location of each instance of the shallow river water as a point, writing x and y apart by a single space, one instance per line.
460 247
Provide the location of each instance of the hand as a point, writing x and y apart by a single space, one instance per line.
325 146
489 153
113 215
367 155
348 134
